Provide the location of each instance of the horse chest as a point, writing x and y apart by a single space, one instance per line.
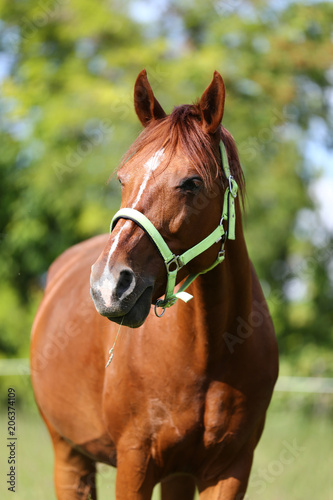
201 428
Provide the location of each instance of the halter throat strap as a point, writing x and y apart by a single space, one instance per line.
173 263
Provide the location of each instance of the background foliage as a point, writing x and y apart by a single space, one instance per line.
67 70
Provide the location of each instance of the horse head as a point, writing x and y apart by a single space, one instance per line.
172 175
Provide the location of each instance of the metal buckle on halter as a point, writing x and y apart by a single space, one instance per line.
233 186
175 260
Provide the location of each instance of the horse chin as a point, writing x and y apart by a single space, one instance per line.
137 315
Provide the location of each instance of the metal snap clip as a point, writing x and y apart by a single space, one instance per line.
159 301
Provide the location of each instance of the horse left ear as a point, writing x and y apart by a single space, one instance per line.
212 104
146 105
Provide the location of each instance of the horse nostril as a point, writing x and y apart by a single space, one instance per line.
126 283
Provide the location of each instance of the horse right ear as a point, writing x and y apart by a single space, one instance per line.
146 105
212 104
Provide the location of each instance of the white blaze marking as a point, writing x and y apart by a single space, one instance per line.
106 281
150 166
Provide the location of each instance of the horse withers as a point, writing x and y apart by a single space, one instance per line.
181 396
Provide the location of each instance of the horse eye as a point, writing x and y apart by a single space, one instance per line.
120 182
191 185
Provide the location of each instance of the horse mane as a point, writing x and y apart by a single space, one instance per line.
182 128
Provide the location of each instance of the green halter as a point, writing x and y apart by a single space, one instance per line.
174 263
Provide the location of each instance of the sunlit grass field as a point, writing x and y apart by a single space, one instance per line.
294 459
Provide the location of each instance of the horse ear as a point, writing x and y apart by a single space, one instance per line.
212 104
146 105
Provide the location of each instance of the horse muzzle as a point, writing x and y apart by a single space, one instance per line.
121 296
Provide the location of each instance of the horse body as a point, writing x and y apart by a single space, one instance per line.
186 393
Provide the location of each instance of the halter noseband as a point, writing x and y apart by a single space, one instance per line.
174 263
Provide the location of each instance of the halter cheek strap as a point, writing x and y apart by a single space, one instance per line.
174 263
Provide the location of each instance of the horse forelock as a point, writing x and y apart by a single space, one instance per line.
182 131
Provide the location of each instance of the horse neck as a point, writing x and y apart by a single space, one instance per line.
223 294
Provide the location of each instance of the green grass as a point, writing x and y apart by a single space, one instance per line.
293 460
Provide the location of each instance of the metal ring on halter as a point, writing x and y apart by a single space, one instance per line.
156 306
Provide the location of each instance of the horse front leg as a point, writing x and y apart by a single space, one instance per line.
74 473
135 473
233 484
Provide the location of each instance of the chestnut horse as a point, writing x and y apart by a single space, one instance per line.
183 401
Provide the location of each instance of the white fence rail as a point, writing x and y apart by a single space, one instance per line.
17 366
317 385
